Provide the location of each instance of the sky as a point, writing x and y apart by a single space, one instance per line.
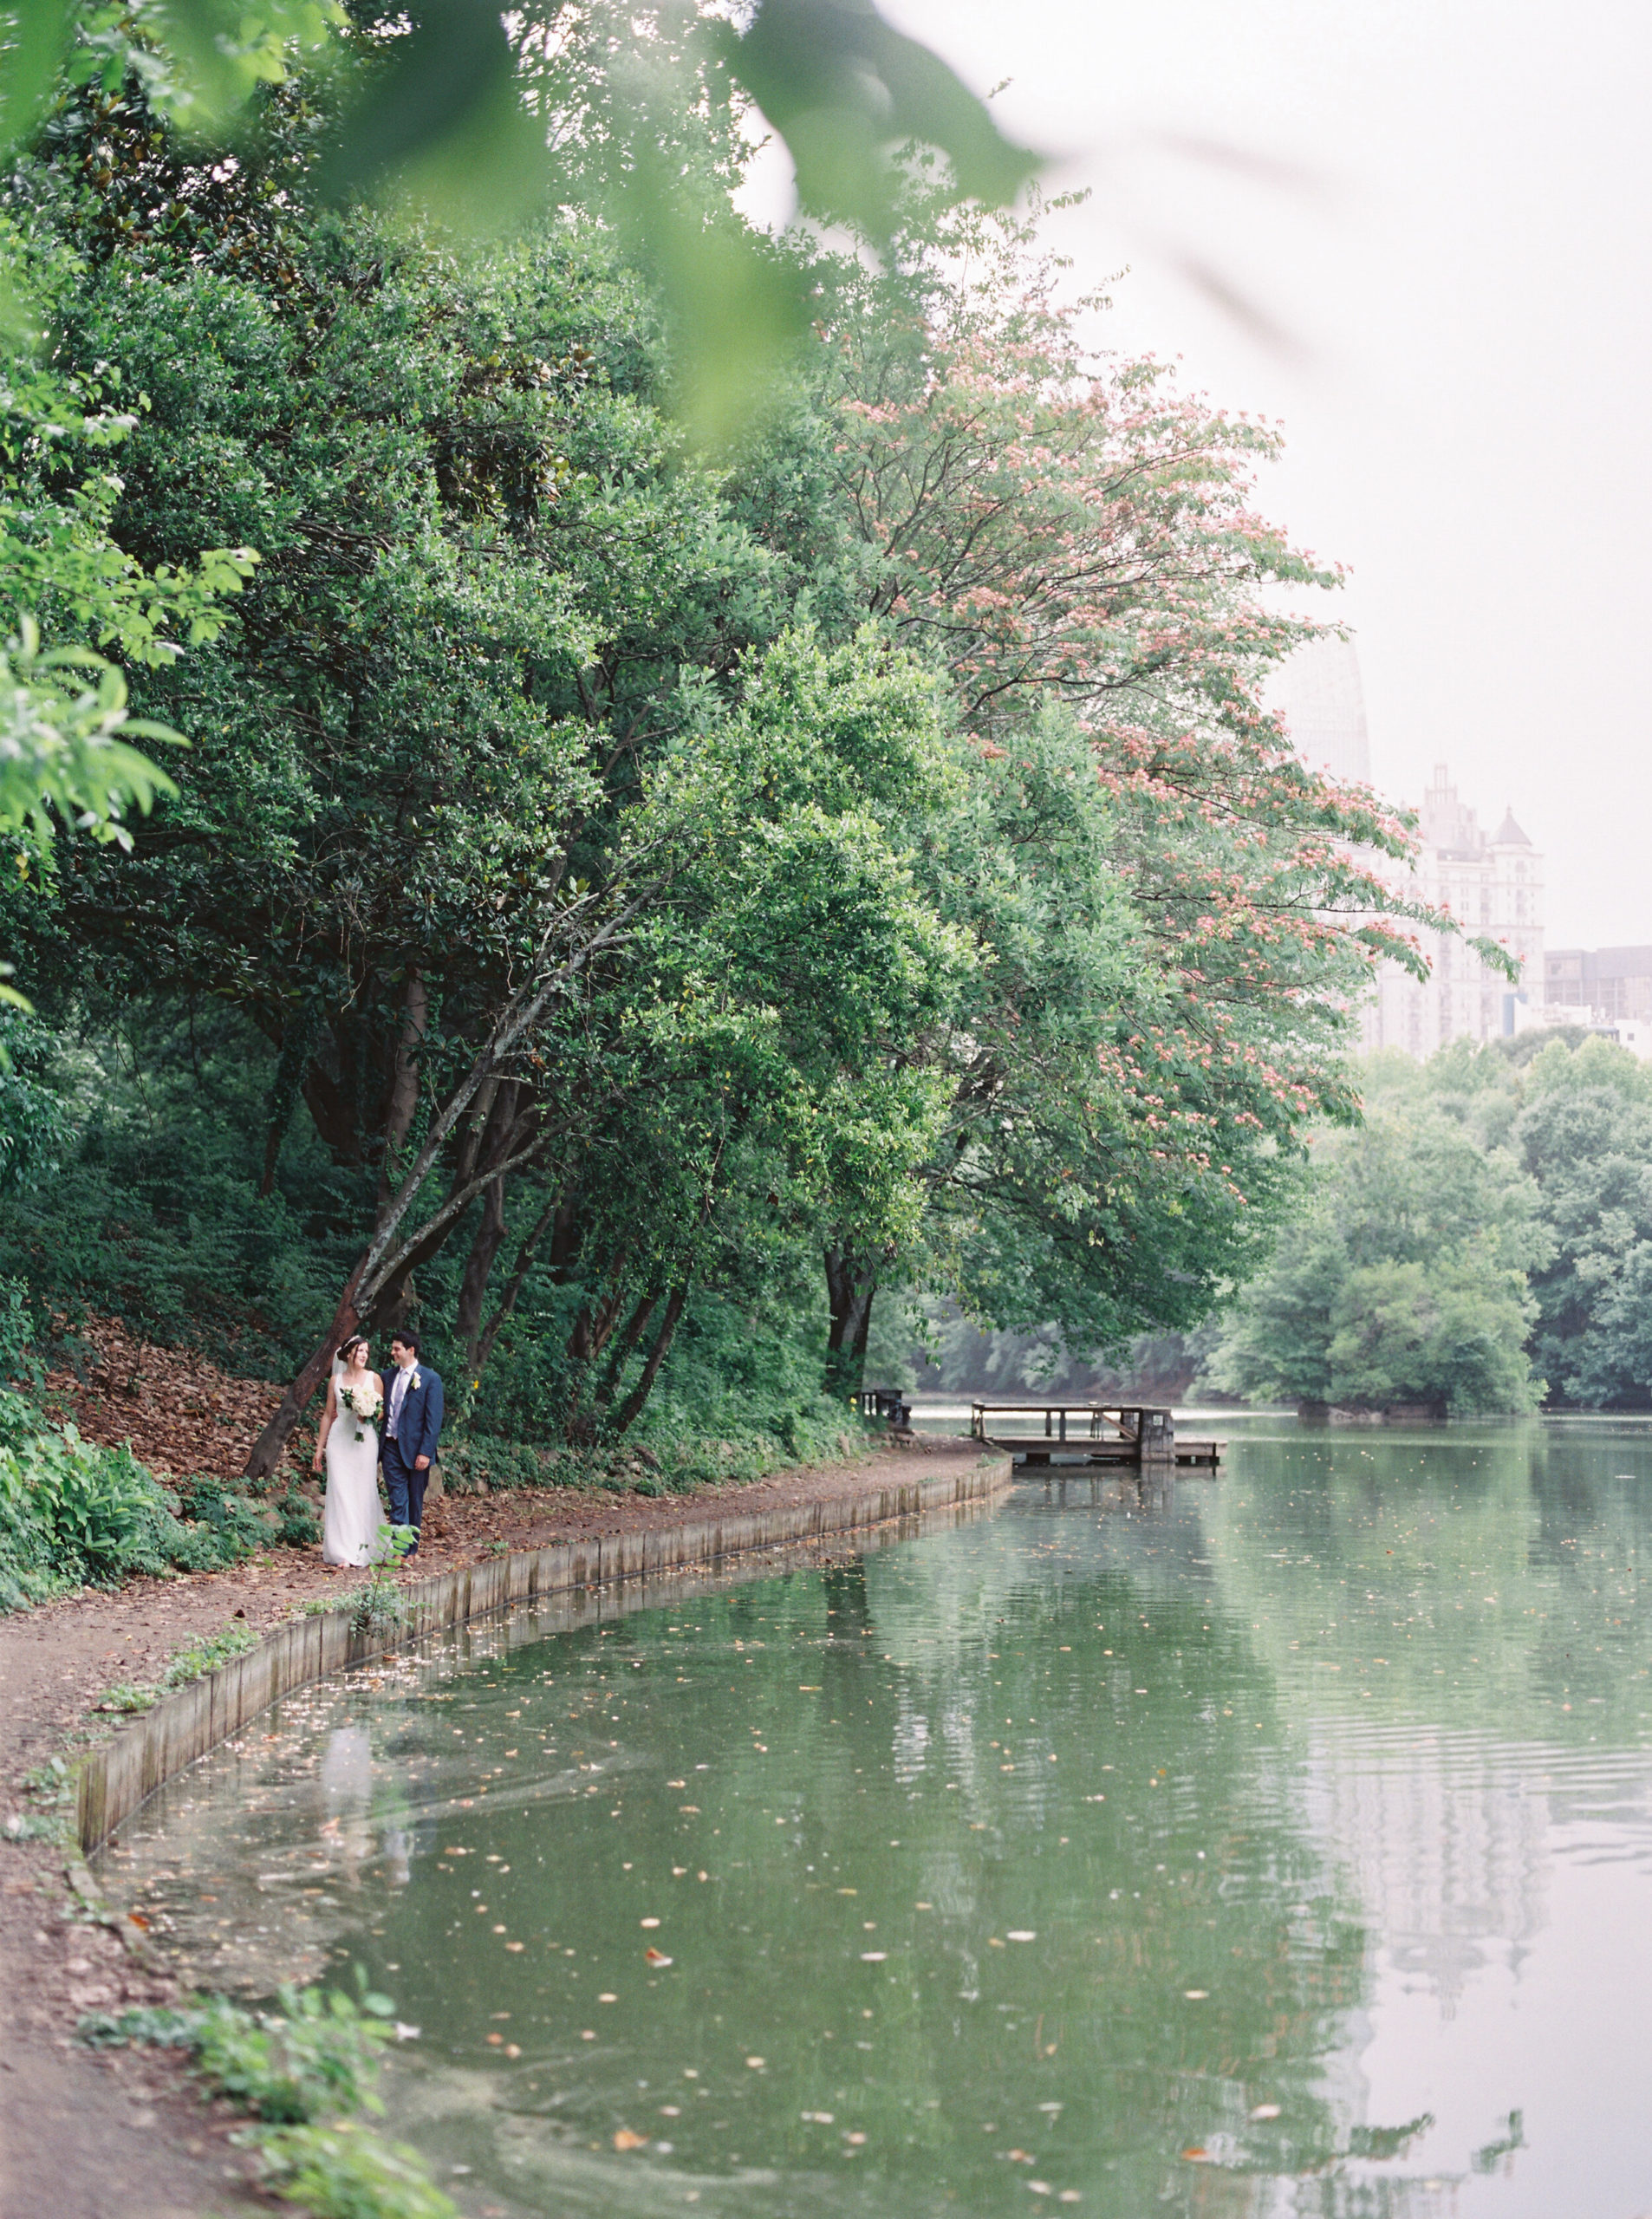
1446 211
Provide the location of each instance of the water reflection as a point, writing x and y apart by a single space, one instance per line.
1271 1844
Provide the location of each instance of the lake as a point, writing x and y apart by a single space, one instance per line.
1279 1843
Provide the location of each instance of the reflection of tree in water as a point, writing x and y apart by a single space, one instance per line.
943 1684
835 1747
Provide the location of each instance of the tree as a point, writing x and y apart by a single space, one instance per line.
1174 914
66 729
1576 1110
479 118
1585 1133
1406 1282
448 102
640 872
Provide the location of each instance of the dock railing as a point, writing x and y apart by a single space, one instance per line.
888 1403
1132 1433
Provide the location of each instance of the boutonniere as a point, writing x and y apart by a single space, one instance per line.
415 1379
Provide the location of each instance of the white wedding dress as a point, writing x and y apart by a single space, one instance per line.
353 1525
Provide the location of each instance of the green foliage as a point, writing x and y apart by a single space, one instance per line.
65 726
436 106
73 1514
745 1394
18 1328
302 2070
1450 1333
1406 1282
337 2174
1575 1110
1582 1124
297 1524
35 1127
602 888
314 2057
489 1463
379 1609
191 1663
199 1657
63 729
154 1130
1574 1114
158 2025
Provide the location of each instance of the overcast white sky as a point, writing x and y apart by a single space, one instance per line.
1470 419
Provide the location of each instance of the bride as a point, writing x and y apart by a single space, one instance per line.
352 1522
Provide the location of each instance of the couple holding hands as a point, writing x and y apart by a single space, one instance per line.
351 1444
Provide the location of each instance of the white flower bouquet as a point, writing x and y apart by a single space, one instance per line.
363 1402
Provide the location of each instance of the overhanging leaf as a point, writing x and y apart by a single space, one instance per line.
844 90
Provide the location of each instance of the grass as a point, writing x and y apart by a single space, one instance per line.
305 2071
191 1663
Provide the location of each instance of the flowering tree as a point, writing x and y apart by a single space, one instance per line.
1076 541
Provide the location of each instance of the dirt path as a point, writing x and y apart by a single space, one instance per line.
119 2135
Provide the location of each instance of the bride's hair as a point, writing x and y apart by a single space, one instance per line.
347 1349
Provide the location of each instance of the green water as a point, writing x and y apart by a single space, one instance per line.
1280 1844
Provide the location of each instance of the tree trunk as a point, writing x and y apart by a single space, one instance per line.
492 1147
477 1356
478 1269
332 1111
622 1352
402 1096
596 1321
266 1450
390 1256
284 1097
851 1282
631 1409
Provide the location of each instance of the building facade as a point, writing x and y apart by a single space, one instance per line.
1603 985
1493 884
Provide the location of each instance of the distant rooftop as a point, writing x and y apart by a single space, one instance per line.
1594 963
1452 828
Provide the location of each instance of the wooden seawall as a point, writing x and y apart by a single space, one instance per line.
117 1778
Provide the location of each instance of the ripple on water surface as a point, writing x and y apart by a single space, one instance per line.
1278 1843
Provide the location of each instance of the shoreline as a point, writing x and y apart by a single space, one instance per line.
124 2131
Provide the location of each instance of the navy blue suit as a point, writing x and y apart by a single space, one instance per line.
418 1429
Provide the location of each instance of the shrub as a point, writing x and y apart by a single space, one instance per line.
381 1607
314 2057
73 1514
482 1463
302 2071
297 1524
336 2174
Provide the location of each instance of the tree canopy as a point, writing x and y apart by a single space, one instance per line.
626 886
1486 1239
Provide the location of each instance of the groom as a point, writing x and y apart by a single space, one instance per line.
412 1426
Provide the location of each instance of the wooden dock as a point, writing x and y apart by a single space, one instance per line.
1135 1434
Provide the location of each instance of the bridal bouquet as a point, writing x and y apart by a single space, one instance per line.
365 1403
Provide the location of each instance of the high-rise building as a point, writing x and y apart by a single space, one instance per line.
1493 884
1318 693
